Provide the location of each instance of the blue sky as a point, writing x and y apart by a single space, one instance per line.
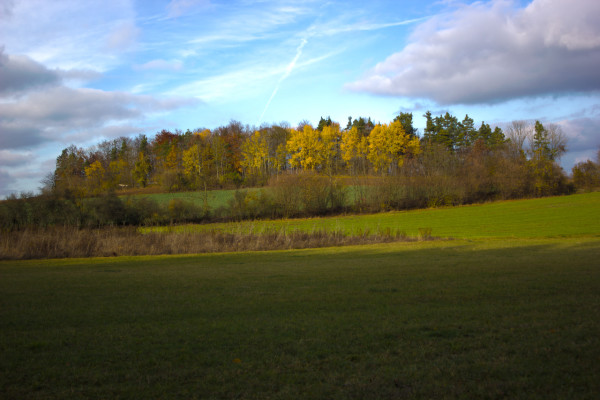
79 72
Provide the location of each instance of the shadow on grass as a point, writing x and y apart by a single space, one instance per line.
483 319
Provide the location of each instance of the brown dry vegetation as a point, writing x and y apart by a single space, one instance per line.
72 242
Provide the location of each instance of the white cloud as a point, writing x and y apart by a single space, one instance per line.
287 73
46 110
338 27
246 80
492 52
70 34
239 25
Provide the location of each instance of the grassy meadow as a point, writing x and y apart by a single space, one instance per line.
558 216
213 198
508 309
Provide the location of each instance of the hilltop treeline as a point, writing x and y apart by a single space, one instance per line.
235 155
306 170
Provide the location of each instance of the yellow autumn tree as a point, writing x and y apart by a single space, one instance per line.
389 145
354 149
191 162
198 159
305 148
330 138
172 159
94 174
255 153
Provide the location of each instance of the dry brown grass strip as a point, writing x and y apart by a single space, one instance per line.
70 242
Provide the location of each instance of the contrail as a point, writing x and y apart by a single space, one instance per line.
287 73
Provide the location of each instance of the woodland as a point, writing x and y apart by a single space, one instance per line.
303 171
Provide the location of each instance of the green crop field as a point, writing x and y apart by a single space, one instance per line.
545 217
509 309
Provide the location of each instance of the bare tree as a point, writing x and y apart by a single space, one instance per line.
518 132
557 141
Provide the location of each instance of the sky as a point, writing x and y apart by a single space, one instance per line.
80 72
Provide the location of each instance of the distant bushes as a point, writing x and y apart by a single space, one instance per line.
27 211
289 195
430 181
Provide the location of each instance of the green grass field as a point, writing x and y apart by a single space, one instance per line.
545 217
509 309
214 198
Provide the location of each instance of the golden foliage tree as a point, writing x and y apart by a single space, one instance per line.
95 178
255 152
354 149
389 145
305 148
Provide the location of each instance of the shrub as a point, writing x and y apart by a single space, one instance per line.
286 195
105 210
144 211
307 193
251 205
586 175
183 211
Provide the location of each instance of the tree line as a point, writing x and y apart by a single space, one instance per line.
364 166
235 155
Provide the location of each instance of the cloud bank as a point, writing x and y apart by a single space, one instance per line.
37 106
487 53
20 73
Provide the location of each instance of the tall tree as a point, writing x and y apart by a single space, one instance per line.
69 172
142 169
330 137
406 119
305 148
354 150
389 145
255 152
95 178
467 132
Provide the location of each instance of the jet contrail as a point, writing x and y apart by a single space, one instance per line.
287 73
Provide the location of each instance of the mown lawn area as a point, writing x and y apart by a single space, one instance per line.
468 318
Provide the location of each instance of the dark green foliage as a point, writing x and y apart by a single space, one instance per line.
364 126
323 123
406 119
454 135
41 211
106 210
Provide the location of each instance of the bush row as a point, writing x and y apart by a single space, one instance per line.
299 194
108 210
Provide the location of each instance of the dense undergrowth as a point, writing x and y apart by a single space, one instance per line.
287 196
